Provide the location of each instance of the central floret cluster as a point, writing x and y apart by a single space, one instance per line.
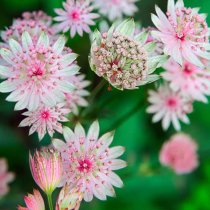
124 59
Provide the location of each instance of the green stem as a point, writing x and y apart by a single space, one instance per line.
126 116
49 198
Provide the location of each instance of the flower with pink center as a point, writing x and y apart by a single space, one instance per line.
33 22
76 98
88 162
69 198
33 202
116 9
37 72
179 153
46 120
190 80
46 169
77 16
169 106
184 33
5 177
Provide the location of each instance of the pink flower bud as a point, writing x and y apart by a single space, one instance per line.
46 168
33 202
69 199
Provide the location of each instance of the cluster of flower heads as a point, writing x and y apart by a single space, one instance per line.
40 73
184 34
83 166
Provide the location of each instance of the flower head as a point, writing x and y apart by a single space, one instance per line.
184 33
190 80
46 119
37 72
124 59
116 9
179 153
88 161
69 199
33 22
169 106
5 177
46 169
77 16
76 98
33 202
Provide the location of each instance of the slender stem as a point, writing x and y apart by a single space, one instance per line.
49 198
126 116
97 89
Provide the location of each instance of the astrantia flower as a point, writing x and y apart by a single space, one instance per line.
123 58
5 177
33 202
33 22
116 9
76 98
179 153
37 73
169 106
46 120
88 161
46 169
77 16
184 33
69 199
190 80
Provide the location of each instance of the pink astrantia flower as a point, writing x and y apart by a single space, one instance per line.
37 73
69 199
76 98
45 120
179 153
46 169
190 80
77 16
116 9
5 177
184 33
169 106
33 22
33 202
88 161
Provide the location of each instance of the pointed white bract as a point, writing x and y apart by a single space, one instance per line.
76 16
88 162
116 9
190 80
37 72
124 59
169 107
45 120
184 33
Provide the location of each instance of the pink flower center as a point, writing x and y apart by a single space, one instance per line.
75 15
187 70
45 115
37 69
85 165
171 102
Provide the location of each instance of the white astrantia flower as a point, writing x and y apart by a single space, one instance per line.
88 162
37 72
124 59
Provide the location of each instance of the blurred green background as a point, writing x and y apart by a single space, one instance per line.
148 186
